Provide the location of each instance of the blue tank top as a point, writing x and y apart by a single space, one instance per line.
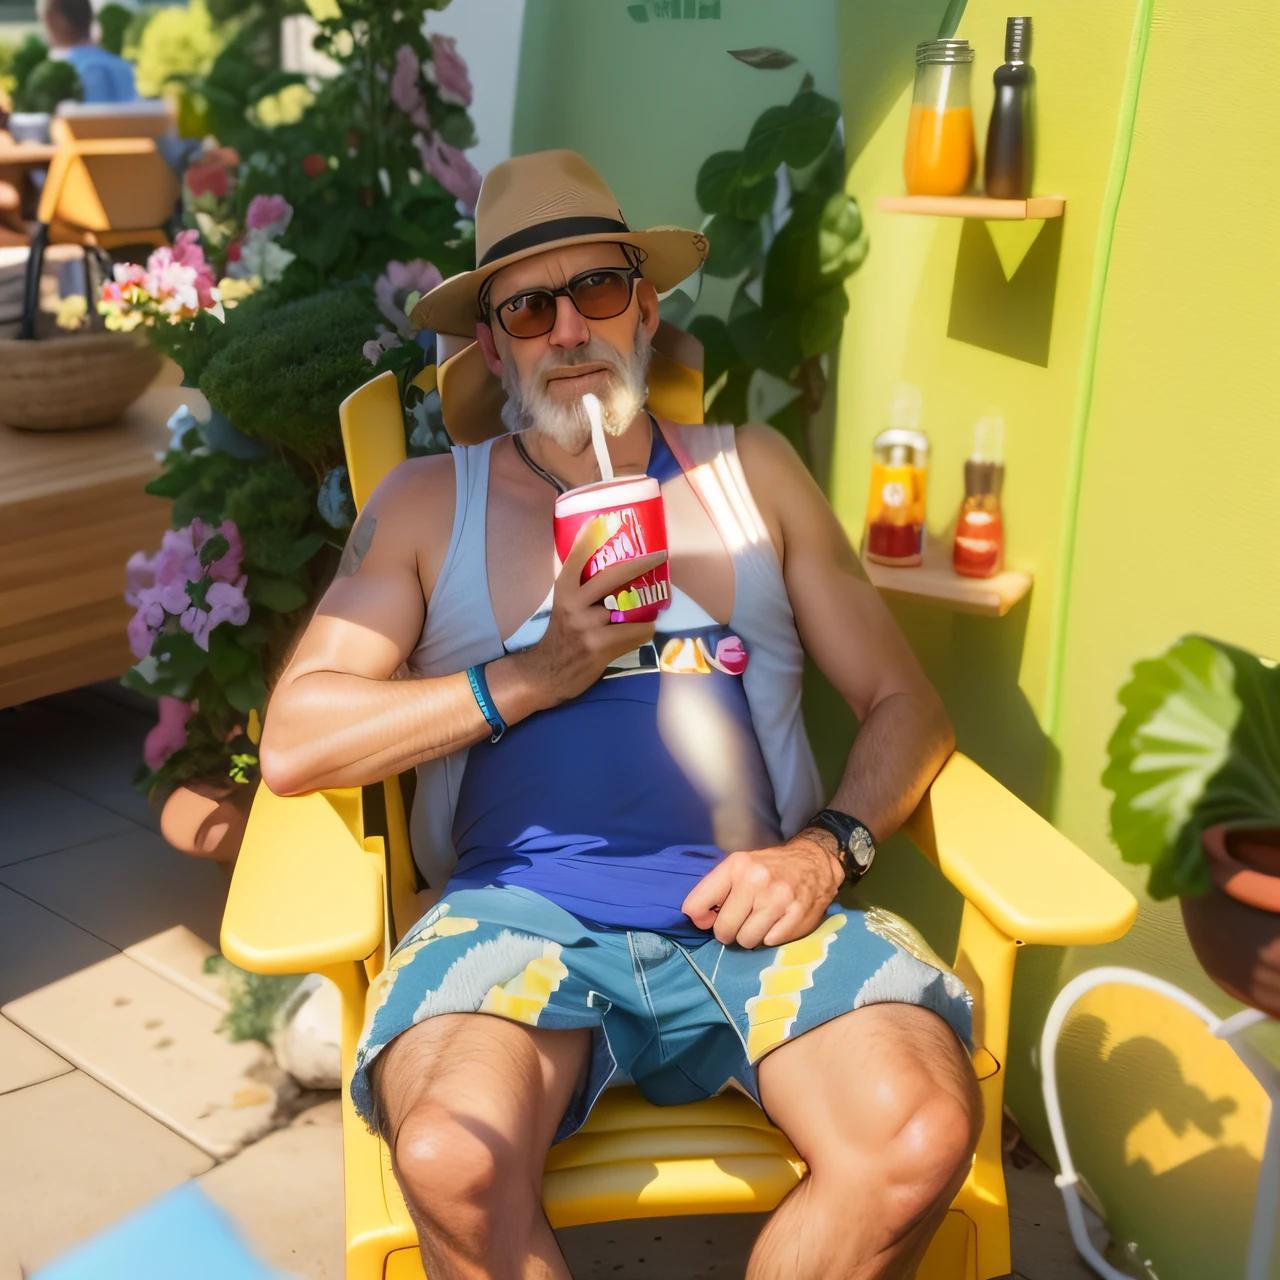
616 803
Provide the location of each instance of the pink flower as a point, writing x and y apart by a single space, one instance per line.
450 168
227 567
405 90
170 734
212 172
178 278
449 71
227 603
268 213
393 287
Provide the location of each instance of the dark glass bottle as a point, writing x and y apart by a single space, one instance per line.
1009 164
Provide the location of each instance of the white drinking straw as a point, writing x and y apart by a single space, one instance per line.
592 406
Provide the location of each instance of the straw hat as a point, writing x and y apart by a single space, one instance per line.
527 205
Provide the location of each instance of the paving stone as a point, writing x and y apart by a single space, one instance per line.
157 1046
285 1193
75 1158
40 817
24 1060
178 955
1040 1239
38 947
84 743
125 888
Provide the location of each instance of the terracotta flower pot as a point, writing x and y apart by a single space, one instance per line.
207 820
1235 928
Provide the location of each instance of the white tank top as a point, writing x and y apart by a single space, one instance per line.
460 631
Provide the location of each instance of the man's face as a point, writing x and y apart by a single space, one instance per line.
545 377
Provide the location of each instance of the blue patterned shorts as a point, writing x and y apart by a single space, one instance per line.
681 1022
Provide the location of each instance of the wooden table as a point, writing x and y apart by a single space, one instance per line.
24 154
72 511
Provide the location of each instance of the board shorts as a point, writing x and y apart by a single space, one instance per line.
681 1022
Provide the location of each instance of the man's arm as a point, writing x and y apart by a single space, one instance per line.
338 717
904 735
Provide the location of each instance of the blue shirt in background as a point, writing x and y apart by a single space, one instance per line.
105 76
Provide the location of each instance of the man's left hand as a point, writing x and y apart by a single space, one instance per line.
770 896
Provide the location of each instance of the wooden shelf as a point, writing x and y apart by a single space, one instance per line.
985 207
935 582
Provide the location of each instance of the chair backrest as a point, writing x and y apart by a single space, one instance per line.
146 118
119 184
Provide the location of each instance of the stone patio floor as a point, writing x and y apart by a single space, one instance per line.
115 1086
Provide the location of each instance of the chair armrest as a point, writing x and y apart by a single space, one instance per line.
1023 874
305 893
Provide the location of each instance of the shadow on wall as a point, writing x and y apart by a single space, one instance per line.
1157 1149
1005 283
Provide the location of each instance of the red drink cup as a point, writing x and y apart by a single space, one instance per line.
636 525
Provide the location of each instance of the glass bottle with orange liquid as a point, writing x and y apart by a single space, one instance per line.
939 159
979 544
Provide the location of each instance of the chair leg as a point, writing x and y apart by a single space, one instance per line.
31 295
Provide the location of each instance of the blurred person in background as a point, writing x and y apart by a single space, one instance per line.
105 76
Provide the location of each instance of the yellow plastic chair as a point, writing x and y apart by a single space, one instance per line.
316 890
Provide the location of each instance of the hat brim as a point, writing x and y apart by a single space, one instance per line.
671 254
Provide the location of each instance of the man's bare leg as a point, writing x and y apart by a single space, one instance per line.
471 1103
883 1106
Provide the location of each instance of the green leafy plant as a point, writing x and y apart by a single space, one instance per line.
17 62
49 83
254 1000
1198 745
114 21
792 262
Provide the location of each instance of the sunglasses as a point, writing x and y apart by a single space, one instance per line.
599 294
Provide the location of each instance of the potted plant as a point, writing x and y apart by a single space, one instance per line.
1195 776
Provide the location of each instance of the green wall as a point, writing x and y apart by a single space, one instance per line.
1131 347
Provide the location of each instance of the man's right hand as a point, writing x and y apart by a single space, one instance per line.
580 641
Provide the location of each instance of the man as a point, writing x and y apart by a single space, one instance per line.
624 812
104 76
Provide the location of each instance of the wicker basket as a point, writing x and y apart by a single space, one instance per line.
83 380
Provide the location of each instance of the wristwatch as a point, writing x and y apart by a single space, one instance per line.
855 846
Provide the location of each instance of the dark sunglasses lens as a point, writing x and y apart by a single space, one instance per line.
602 294
529 315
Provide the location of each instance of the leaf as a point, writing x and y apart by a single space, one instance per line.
228 659
753 200
280 594
248 692
179 660
764 58
214 549
1198 744
768 340
717 181
455 127
301 551
736 246
794 135
822 322
842 238
718 352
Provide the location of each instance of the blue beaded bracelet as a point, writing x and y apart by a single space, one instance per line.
480 687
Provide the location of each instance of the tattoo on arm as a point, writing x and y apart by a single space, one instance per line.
357 547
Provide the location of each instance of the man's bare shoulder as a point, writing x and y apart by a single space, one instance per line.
418 493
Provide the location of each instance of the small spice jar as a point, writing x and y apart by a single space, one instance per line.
939 158
978 551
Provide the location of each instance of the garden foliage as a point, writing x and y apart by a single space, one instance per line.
788 311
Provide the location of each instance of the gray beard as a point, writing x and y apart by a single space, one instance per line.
529 408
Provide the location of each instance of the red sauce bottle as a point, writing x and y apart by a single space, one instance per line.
979 546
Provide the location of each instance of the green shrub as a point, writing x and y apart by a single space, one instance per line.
23 60
113 22
48 84
283 376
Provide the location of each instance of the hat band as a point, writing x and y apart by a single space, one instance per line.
545 232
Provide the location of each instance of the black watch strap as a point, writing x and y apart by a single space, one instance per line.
855 845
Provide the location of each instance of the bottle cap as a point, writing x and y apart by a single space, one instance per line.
904 409
1017 40
988 439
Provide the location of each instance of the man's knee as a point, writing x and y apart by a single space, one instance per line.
446 1163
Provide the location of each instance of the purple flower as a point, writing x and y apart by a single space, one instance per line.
406 92
450 168
227 603
227 567
170 734
397 282
449 72
269 214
